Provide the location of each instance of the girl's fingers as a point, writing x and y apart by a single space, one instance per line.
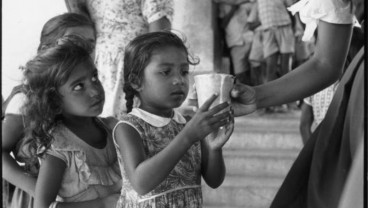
219 117
218 108
206 105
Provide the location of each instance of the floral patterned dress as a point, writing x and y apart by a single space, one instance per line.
182 188
117 22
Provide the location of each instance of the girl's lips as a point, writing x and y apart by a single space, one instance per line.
97 103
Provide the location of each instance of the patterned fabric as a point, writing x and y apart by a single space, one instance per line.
333 11
182 187
90 172
117 22
320 103
274 13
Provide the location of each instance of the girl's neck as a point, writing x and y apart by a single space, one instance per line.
78 121
87 129
167 113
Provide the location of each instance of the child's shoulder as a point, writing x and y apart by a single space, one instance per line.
109 121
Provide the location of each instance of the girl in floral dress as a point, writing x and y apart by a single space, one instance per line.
162 156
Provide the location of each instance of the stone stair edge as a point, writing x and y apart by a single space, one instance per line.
280 153
246 180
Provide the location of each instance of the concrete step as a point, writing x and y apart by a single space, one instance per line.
274 131
253 191
268 163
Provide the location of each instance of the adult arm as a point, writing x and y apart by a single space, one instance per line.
12 133
160 24
320 71
77 6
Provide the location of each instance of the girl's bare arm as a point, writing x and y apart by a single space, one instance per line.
12 133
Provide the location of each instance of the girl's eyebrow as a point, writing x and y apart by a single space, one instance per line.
79 79
82 77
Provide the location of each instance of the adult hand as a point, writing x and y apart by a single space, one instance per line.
243 99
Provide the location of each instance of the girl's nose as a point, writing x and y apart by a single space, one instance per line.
94 91
179 80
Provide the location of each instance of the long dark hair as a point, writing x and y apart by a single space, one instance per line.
43 75
138 54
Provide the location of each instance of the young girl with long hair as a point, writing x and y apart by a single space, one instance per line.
162 156
18 168
79 166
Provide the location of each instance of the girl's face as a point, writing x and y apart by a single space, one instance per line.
165 81
86 32
82 94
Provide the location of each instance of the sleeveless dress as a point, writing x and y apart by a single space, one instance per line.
90 172
319 174
182 188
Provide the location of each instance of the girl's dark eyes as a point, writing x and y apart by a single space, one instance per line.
165 72
78 87
185 72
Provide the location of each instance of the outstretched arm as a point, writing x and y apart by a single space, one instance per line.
320 71
213 167
146 173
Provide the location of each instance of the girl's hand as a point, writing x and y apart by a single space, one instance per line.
110 201
216 140
206 121
243 99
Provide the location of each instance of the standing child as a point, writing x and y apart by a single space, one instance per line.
18 168
79 166
163 155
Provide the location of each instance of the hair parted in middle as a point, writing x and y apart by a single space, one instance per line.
43 75
138 54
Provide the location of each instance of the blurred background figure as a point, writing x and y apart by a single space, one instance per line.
234 16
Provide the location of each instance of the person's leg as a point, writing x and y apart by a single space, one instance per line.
271 67
239 57
286 62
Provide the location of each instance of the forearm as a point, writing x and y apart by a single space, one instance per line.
323 69
213 166
151 172
15 174
159 25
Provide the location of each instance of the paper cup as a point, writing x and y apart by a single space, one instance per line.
208 84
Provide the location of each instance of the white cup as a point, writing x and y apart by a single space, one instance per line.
208 84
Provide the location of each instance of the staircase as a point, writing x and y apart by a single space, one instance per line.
258 156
